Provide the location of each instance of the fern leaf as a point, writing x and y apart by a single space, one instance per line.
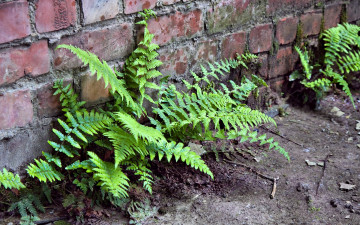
9 180
43 171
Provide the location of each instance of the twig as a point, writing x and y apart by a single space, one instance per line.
273 179
323 172
276 133
50 220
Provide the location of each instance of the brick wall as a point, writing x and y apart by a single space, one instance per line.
189 32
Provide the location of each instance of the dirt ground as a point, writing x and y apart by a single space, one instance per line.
239 195
304 194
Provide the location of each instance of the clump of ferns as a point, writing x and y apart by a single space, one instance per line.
190 114
342 57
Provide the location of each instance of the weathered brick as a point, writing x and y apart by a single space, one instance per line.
18 62
54 15
14 21
282 63
286 30
278 85
277 5
175 62
332 16
95 10
232 44
49 104
170 2
178 25
93 90
264 69
228 13
107 44
132 6
261 38
353 10
16 109
206 52
311 23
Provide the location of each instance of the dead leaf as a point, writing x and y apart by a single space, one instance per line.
337 112
347 187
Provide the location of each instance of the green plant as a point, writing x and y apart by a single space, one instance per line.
191 114
9 180
111 130
342 56
27 206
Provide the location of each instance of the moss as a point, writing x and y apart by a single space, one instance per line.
299 35
343 15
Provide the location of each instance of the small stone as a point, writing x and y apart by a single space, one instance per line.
350 139
357 125
347 217
309 163
302 187
358 145
321 164
337 112
198 149
346 187
334 203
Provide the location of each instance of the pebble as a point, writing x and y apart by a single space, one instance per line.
347 217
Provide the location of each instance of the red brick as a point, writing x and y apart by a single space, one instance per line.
18 62
264 69
206 52
95 10
170 27
282 63
14 21
107 44
170 2
55 14
132 6
311 23
261 38
48 103
93 90
353 10
332 16
16 109
277 5
175 62
286 30
232 44
228 13
278 85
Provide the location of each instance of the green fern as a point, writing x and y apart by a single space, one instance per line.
110 178
43 171
9 180
68 97
141 169
27 206
178 151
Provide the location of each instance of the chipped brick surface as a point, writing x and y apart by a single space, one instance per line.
133 6
175 26
175 61
233 44
283 62
261 38
99 10
108 44
311 23
93 90
54 15
16 109
14 21
18 62
286 30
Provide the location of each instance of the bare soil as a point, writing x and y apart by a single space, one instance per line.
304 194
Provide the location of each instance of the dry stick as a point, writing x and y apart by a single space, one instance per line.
273 179
271 131
323 172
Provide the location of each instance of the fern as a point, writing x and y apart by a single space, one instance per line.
111 179
43 171
178 151
9 180
68 97
27 207
141 169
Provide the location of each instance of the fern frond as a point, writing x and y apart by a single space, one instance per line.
110 179
43 171
27 206
103 70
9 180
178 151
68 97
305 62
141 169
